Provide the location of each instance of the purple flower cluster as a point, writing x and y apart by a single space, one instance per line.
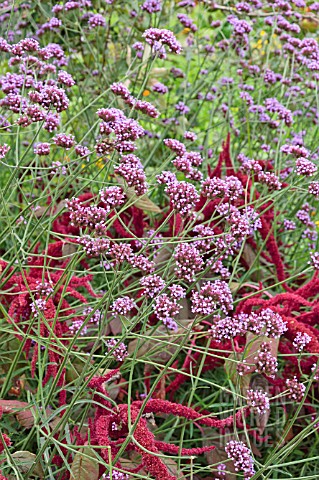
131 169
187 22
96 20
212 296
91 216
58 168
230 188
296 389
265 322
121 131
52 25
242 222
314 260
141 105
166 309
160 88
151 6
269 179
139 48
157 38
63 140
249 165
142 263
95 247
66 79
305 167
44 289
274 106
123 305
227 328
313 189
78 325
37 306
258 401
50 96
240 454
183 196
182 108
266 363
4 149
112 197
95 317
82 151
28 93
188 262
117 349
289 224
116 475
187 162
301 340
153 285
190 136
273 323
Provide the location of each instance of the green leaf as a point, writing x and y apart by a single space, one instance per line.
24 460
85 465
142 202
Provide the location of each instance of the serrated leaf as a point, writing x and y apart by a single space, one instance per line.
142 202
22 410
85 465
253 343
163 256
161 344
68 249
159 72
173 468
24 460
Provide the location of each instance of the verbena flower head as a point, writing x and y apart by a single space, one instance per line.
183 196
116 475
78 326
123 305
160 88
157 38
296 389
188 262
275 326
64 141
97 20
131 169
187 22
42 149
265 362
258 401
211 296
38 306
117 349
240 454
112 196
152 284
301 340
305 167
152 6
166 310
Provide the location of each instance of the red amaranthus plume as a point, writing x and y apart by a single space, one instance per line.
112 425
38 292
